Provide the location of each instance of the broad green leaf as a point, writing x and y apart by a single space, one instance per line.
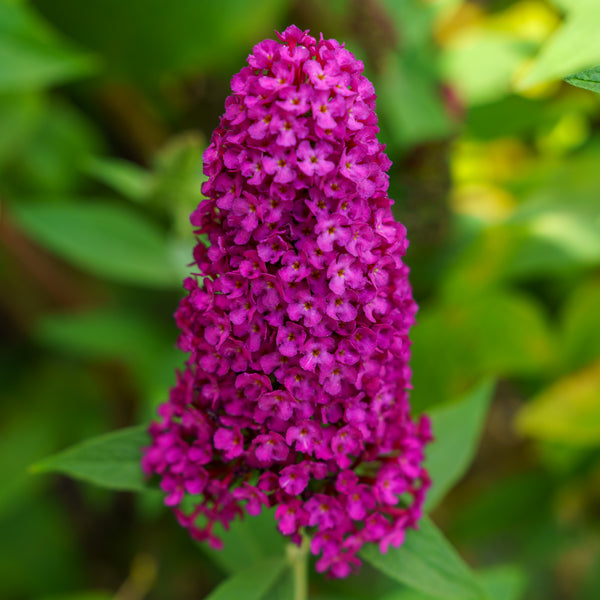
252 583
580 331
48 160
100 334
34 424
31 56
545 236
127 336
509 331
177 38
125 177
568 411
102 238
467 63
428 563
88 595
510 509
283 586
421 114
508 116
331 596
591 584
410 74
506 582
35 536
468 337
22 441
456 429
573 47
500 583
178 181
111 460
589 79
570 232
19 114
248 541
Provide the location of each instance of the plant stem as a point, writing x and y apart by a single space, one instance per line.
298 557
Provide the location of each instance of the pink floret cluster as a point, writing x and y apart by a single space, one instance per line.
294 395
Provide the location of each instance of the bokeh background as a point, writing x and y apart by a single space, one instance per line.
105 109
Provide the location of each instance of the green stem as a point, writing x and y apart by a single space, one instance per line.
298 557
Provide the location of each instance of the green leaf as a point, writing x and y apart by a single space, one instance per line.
506 582
31 56
123 176
102 238
568 411
283 587
428 563
467 338
456 428
177 38
507 117
580 335
588 80
500 583
573 47
19 114
178 181
50 158
421 114
252 583
88 595
568 235
544 236
111 460
248 541
100 334
591 583
467 63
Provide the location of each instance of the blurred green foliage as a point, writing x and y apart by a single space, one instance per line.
105 109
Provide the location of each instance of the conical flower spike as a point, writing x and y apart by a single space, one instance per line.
296 322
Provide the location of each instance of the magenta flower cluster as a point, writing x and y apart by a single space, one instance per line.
294 395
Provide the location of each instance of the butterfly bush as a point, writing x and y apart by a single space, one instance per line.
294 395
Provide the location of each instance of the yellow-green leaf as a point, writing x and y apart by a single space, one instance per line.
568 411
573 47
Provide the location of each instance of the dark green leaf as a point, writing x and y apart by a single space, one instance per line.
589 79
252 583
168 39
102 238
247 542
111 460
429 564
580 331
50 158
30 56
421 114
456 428
506 582
88 595
452 340
19 114
123 176
500 583
283 587
178 181
591 584
100 334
